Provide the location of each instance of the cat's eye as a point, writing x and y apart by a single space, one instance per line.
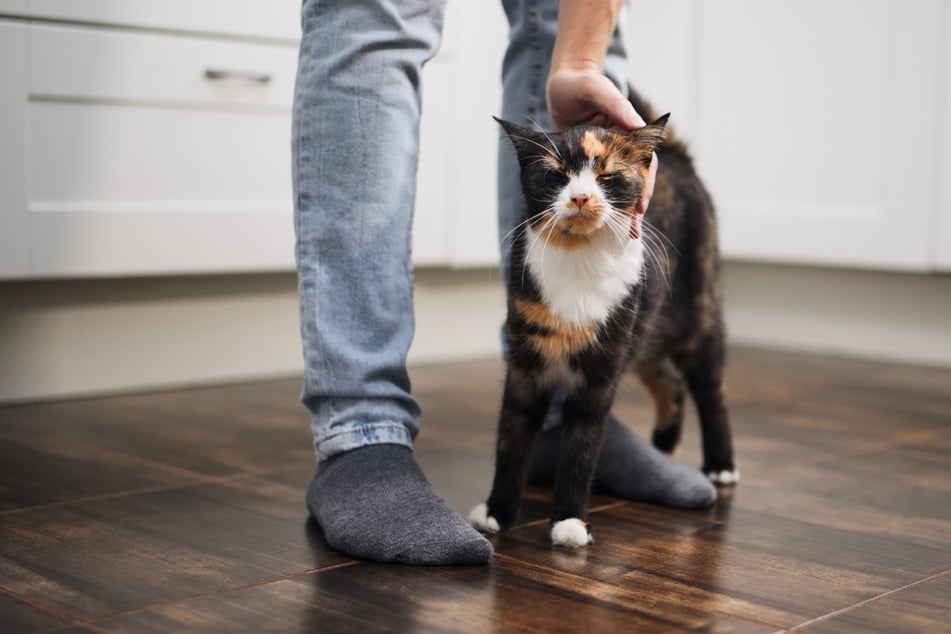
554 178
608 178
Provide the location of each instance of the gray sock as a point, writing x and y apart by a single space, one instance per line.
630 468
375 503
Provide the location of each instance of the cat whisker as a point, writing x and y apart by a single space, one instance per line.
551 151
551 142
662 271
618 223
549 221
648 226
655 236
522 225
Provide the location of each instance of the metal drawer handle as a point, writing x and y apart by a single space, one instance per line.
219 74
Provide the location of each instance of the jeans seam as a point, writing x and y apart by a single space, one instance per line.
534 21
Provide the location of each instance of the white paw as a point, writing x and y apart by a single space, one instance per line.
480 518
725 477
571 532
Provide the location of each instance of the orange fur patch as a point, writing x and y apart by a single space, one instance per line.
551 163
563 340
592 145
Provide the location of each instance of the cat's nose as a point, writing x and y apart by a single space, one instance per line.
580 200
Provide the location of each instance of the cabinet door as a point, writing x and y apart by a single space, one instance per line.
14 220
815 128
12 7
455 219
942 256
480 31
248 18
175 173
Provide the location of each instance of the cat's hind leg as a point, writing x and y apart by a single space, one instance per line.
704 376
665 385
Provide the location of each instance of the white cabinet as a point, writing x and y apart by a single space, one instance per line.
137 140
822 128
815 128
455 222
14 221
277 19
942 172
12 7
146 151
140 163
814 123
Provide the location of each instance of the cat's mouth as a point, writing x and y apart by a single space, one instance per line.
579 222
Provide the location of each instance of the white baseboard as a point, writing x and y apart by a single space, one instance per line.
900 317
77 338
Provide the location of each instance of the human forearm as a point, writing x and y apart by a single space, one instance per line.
585 28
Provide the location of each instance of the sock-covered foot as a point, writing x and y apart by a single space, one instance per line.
630 468
375 503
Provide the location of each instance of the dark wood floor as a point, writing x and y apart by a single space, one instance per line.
183 511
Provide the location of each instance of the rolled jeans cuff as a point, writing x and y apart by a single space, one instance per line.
353 436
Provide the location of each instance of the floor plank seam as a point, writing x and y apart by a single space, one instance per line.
530 564
825 458
546 520
204 480
854 606
207 595
68 621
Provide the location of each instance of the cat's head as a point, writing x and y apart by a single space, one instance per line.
585 180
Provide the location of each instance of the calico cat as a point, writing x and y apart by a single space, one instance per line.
593 290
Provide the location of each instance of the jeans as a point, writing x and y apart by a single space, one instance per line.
354 150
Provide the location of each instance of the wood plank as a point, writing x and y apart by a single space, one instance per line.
97 558
750 565
203 432
900 491
184 510
504 596
34 475
17 615
923 607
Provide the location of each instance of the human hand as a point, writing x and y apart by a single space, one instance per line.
584 96
587 97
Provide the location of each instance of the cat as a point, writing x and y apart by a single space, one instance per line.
595 289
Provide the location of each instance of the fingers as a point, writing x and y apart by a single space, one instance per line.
577 97
648 192
616 107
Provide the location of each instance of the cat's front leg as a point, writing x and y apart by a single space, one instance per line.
524 407
584 416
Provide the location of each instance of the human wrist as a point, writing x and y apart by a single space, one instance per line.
584 32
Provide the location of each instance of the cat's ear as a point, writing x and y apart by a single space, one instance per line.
651 137
527 142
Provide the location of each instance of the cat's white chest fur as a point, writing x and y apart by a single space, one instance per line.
585 284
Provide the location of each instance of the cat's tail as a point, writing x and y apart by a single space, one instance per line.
643 107
648 113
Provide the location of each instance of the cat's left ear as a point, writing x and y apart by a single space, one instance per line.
651 137
527 142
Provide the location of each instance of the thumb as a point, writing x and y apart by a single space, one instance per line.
617 108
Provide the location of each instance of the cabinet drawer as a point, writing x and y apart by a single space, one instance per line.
103 65
247 18
121 189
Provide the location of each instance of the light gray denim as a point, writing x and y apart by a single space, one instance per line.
355 147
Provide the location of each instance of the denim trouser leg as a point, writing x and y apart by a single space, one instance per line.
533 25
355 145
